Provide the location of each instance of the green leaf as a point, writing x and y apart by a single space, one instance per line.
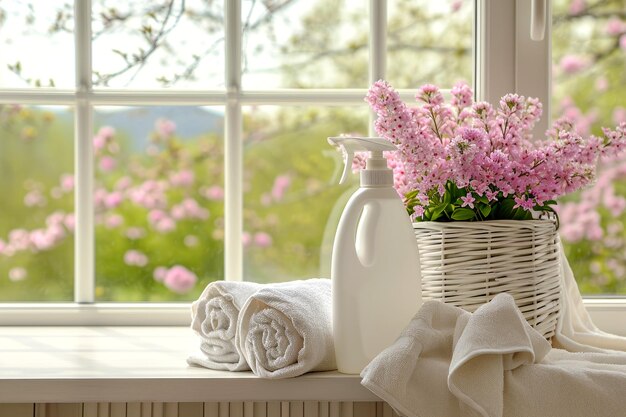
521 214
437 210
463 214
411 195
482 199
485 209
505 209
454 190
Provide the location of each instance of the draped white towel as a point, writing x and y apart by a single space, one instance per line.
575 330
214 318
285 330
448 362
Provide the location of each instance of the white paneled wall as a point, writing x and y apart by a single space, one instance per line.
212 409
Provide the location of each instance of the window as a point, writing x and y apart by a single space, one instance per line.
589 86
199 133
152 147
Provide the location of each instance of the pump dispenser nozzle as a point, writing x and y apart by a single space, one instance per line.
376 172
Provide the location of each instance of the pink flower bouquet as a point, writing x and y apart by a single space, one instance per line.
471 161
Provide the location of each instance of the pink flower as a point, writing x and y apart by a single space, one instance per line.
69 222
155 216
17 274
430 94
594 233
461 95
571 64
135 258
113 220
159 273
134 233
34 198
418 211
602 84
213 193
571 232
165 127
262 240
576 7
123 183
99 143
43 239
524 202
107 164
178 212
182 178
246 239
19 239
165 225
614 26
179 279
491 195
106 132
456 5
619 115
67 182
468 201
113 200
281 184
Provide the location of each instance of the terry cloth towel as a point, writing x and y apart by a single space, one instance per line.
448 362
214 318
575 331
285 330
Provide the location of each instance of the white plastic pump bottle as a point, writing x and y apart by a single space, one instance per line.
375 271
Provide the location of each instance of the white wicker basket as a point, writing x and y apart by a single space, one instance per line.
467 263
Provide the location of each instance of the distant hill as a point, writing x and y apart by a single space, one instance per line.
138 122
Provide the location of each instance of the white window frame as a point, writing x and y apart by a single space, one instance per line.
506 60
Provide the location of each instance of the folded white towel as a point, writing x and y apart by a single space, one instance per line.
450 363
214 319
285 330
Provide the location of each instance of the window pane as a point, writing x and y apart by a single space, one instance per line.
589 87
148 45
429 42
36 214
37 43
292 199
305 44
159 202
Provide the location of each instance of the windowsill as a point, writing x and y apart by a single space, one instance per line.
120 364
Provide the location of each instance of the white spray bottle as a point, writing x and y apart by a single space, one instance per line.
375 271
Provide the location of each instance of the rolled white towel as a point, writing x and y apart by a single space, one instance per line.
285 330
214 318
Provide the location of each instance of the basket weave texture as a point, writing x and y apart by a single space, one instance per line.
467 263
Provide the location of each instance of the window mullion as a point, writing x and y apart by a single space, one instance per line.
83 158
233 149
533 61
378 47
495 49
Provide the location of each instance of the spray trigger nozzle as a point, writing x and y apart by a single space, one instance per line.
352 144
